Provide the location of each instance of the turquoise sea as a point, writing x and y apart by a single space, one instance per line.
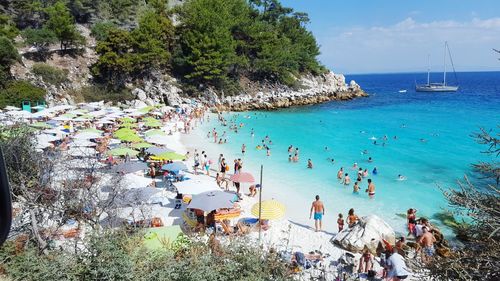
433 148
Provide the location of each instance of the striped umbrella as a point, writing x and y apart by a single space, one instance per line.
242 177
271 210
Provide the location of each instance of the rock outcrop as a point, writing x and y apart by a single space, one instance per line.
312 90
160 89
369 231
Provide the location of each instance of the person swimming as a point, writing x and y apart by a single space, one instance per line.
370 159
354 166
401 178
364 152
309 164
375 171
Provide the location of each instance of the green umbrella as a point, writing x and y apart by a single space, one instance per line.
149 119
122 151
161 237
155 132
127 134
128 120
168 156
41 125
146 109
128 125
141 145
151 124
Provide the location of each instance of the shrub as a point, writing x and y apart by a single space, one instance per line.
17 91
101 92
50 74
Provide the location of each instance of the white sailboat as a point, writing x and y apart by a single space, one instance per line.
438 87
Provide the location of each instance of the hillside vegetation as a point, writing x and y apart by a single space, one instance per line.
203 43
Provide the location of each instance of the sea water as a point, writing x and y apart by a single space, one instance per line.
428 141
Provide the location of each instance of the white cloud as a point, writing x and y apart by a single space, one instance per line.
404 46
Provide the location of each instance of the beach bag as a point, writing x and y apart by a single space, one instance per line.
227 168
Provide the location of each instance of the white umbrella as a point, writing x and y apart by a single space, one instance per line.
45 138
213 200
97 113
158 140
81 151
87 135
62 118
19 114
196 185
82 143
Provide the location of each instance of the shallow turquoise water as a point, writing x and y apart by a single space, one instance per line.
444 120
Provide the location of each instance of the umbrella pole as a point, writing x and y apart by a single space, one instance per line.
260 200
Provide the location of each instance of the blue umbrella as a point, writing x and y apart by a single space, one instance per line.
176 166
158 150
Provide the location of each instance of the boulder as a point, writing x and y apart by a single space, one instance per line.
139 94
369 231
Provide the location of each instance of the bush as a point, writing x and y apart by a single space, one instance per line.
50 74
116 256
101 92
16 91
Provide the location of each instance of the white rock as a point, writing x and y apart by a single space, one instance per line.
139 94
369 231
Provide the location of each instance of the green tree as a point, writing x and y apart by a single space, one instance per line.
40 38
115 62
62 24
7 27
17 91
8 56
100 30
207 50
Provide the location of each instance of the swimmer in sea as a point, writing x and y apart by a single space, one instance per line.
354 166
370 159
423 140
340 173
326 148
268 151
375 171
347 179
290 158
365 152
365 173
401 178
355 188
309 164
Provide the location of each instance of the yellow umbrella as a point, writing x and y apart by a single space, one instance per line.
271 210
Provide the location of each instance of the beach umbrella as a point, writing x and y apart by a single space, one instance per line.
141 145
128 125
242 177
145 109
122 151
131 138
83 143
153 124
176 166
91 130
168 156
158 150
128 120
196 184
213 200
41 125
155 132
157 140
271 210
87 136
129 167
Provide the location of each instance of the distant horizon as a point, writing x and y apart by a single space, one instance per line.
413 72
391 36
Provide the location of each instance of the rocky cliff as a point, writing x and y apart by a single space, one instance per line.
312 90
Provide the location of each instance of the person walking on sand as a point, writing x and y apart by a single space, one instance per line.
319 211
371 189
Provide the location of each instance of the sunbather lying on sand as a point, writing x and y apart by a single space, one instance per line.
238 229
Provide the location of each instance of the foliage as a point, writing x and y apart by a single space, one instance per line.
127 55
50 74
100 30
480 204
61 22
118 256
29 13
8 56
40 38
7 27
102 92
17 91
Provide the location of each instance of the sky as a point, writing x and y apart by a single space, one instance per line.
380 36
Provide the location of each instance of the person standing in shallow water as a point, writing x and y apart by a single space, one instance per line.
319 211
371 189
243 149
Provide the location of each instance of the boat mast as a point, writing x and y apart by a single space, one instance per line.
428 69
444 74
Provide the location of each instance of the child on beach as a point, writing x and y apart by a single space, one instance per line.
340 222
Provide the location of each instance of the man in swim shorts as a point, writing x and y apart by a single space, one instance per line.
371 189
427 242
319 211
